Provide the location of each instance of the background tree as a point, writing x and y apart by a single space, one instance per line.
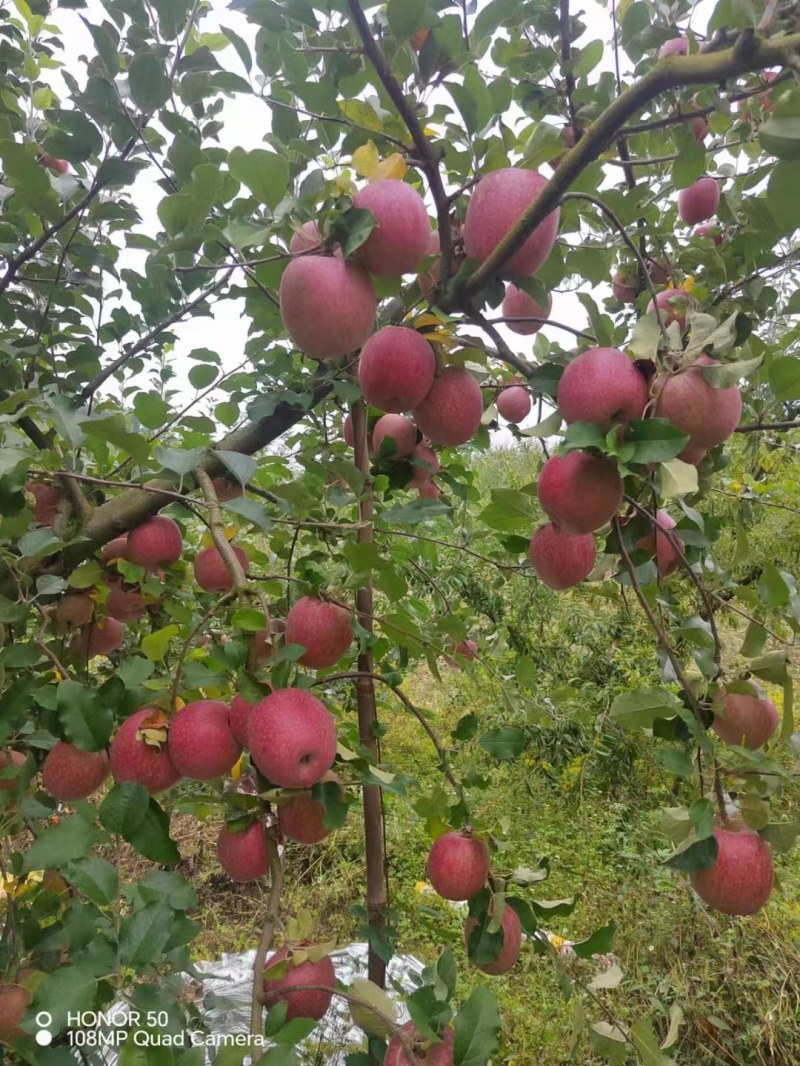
409 168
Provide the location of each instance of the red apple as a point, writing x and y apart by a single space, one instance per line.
212 574
425 462
709 415
243 855
157 542
700 201
8 759
73 610
139 751
451 412
396 369
426 1052
292 738
562 560
740 880
458 865
668 556
396 428
308 238
322 628
710 230
497 202
226 490
602 386
201 743
673 304
301 817
467 648
69 773
745 719
518 304
401 236
114 550
238 716
101 637
428 490
513 403
47 499
14 1002
512 943
304 1003
580 492
677 46
125 603
328 305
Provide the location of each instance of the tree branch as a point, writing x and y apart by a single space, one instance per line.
669 73
267 933
428 157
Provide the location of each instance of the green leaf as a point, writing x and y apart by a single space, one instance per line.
781 137
727 374
351 228
87 722
57 845
94 878
151 410
144 935
240 46
655 440
124 808
151 838
156 645
699 855
599 943
783 374
640 708
645 339
264 173
334 805
243 467
782 199
148 81
67 991
477 1029
677 478
646 1043
406 16
509 510
503 742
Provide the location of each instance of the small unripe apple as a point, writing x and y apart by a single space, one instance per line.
513 403
322 628
745 719
211 572
700 201
580 492
740 880
73 610
301 817
677 46
60 166
243 855
47 499
101 637
201 743
519 304
668 556
402 233
452 410
304 1003
458 865
425 462
425 1051
512 943
672 303
157 542
400 430
602 386
562 560
708 414
292 738
396 369
68 773
139 752
496 204
328 305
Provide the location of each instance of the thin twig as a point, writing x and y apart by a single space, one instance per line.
267 933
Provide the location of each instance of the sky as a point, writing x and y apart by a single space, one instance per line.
226 331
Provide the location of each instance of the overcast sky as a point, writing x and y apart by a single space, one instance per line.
227 331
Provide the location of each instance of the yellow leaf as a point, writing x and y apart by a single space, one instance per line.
394 166
688 284
366 159
344 185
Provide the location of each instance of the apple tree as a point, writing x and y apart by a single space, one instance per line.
218 567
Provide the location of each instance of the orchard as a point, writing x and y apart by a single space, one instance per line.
399 415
